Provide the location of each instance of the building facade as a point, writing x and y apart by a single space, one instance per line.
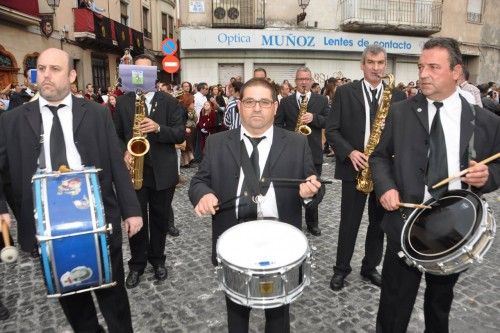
220 39
96 39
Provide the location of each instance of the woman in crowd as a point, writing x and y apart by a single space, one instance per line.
218 105
207 123
187 103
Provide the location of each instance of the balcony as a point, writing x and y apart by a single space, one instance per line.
238 14
25 13
93 30
410 17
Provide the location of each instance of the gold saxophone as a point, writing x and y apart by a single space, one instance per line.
300 127
138 146
364 181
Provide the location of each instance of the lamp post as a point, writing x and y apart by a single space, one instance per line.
302 4
53 4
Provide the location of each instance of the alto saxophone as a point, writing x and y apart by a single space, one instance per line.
300 127
138 145
364 181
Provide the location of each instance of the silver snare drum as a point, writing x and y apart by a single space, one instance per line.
450 237
263 264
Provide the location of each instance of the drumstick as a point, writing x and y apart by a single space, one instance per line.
230 200
412 205
463 172
293 180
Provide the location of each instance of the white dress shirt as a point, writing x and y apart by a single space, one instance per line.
66 117
368 99
267 206
199 100
450 115
297 96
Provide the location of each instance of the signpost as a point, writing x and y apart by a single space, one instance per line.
170 62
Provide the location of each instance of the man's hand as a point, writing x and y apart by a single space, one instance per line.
359 160
310 187
148 125
206 205
5 218
478 174
132 225
307 118
390 200
188 130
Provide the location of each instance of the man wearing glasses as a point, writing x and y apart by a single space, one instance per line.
221 178
315 118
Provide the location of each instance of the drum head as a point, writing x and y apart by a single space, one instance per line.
262 245
433 233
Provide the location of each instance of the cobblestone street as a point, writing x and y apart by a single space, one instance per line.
190 300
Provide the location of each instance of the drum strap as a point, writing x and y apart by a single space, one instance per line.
471 153
41 158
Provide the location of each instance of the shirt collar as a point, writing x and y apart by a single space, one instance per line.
370 87
68 101
452 99
268 133
297 95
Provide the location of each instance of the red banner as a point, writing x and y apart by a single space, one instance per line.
29 7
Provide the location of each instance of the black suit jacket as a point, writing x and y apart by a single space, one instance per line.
167 112
97 143
399 161
286 117
219 172
345 127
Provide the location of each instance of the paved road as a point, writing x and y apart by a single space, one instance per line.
190 300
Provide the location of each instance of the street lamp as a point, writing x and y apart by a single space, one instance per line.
302 4
53 4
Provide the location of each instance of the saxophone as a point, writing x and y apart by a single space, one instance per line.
138 146
300 127
364 181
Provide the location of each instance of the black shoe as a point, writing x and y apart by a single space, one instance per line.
337 282
132 279
315 231
173 231
34 253
4 312
374 277
160 272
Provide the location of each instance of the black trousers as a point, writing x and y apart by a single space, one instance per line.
312 213
351 211
113 302
277 319
149 243
400 285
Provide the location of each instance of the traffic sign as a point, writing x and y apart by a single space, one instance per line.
170 64
169 46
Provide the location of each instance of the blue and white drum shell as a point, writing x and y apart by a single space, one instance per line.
71 232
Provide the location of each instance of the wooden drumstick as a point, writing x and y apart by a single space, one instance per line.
463 172
5 234
412 205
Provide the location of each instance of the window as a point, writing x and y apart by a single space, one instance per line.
474 11
145 22
167 26
124 12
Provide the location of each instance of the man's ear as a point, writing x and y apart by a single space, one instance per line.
72 76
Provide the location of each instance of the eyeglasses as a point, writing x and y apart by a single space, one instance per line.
302 79
263 103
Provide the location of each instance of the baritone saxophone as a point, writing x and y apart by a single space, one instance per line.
364 181
138 145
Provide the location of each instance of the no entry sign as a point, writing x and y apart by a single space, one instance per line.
170 64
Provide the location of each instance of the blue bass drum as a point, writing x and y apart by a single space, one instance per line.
71 232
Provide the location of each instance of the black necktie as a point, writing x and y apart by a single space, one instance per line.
247 209
437 167
373 105
57 145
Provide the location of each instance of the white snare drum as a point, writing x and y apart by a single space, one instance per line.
263 264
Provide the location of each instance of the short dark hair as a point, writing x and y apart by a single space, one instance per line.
373 49
190 85
237 86
450 44
258 82
315 84
146 56
260 69
201 85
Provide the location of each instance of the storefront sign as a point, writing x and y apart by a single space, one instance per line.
196 6
317 40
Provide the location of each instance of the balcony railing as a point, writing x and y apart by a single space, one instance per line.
98 31
238 13
414 17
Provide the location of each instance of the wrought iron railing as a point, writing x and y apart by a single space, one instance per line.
238 13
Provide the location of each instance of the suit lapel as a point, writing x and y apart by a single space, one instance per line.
358 94
419 108
234 145
78 114
466 125
312 101
34 118
277 147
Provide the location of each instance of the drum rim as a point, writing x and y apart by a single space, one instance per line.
451 249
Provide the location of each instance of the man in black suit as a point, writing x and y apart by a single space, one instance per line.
404 170
347 131
221 177
315 118
90 140
164 128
